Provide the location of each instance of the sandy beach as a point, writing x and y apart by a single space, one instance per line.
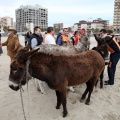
105 103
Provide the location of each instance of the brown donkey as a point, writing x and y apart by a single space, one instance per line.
58 71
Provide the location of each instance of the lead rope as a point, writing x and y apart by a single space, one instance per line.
21 89
27 74
22 101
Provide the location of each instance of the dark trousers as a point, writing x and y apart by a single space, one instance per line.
1 50
25 42
114 58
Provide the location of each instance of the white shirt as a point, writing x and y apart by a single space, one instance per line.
49 39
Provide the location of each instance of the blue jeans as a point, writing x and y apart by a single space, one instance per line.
114 58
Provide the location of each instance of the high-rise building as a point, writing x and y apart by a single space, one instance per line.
116 20
37 15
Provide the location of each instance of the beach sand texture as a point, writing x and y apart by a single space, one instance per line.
105 103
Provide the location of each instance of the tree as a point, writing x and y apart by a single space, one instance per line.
110 31
69 29
5 28
25 29
57 30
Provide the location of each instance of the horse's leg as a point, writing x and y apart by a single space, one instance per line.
85 93
101 79
58 99
64 101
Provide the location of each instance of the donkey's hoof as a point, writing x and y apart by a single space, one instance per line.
81 100
101 87
87 102
57 107
65 114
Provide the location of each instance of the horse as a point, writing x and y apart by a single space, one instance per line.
58 71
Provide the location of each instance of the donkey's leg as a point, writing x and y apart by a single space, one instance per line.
90 89
36 84
85 93
64 101
41 86
58 99
101 79
71 89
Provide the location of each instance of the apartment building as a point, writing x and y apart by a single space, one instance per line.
116 21
36 15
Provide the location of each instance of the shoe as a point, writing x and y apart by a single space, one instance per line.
108 84
106 81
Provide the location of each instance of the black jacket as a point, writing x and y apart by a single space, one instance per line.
38 37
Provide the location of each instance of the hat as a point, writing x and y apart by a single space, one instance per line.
12 29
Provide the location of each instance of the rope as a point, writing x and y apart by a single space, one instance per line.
22 102
20 86
27 74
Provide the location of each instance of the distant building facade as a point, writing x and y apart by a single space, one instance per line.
95 24
37 15
116 21
6 21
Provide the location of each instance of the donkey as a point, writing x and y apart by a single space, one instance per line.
103 50
66 49
58 71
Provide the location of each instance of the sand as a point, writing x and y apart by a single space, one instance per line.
105 103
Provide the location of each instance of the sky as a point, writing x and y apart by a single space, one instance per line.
64 11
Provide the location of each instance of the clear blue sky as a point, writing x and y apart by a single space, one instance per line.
66 11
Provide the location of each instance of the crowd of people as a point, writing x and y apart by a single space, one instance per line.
35 39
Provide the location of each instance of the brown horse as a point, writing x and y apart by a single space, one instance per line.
58 71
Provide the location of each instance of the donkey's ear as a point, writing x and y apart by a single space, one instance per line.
112 36
96 38
27 47
22 58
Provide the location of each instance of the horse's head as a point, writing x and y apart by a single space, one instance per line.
17 76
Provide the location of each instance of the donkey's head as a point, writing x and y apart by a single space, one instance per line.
17 76
102 46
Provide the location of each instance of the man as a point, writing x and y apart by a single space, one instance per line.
114 48
59 34
63 38
49 37
12 43
36 38
83 32
27 37
0 45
